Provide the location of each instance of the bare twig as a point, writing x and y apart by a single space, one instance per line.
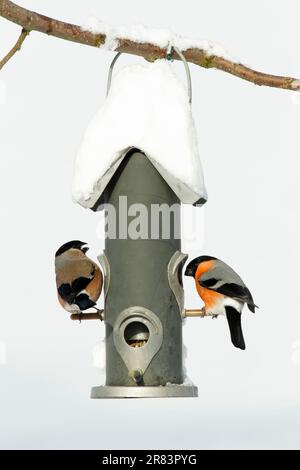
30 21
16 48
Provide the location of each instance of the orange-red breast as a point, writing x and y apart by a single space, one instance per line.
222 291
78 278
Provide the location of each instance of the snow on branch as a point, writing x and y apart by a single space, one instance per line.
151 44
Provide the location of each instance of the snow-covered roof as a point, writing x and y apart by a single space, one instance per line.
147 108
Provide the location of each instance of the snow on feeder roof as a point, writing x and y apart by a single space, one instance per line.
147 108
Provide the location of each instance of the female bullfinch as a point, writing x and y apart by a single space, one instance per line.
78 278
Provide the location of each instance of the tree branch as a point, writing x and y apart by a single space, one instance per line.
32 21
16 48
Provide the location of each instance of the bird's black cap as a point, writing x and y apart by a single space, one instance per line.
191 268
72 244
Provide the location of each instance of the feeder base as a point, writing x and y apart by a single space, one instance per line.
168 391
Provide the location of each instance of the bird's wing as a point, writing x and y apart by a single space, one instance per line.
231 290
73 276
224 280
69 291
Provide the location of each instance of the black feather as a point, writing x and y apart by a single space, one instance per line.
69 292
67 246
66 293
235 327
192 266
234 290
84 302
209 282
80 283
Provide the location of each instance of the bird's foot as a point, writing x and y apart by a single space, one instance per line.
80 315
100 313
203 312
214 317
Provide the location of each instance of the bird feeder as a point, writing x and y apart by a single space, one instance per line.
140 152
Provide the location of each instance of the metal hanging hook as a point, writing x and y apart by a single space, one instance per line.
187 70
110 71
168 57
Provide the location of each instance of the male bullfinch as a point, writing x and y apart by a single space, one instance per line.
223 293
78 279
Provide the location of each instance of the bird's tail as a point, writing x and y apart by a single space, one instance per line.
252 307
235 327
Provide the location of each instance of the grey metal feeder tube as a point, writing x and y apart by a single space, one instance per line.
140 303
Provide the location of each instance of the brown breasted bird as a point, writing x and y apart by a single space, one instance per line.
223 293
78 278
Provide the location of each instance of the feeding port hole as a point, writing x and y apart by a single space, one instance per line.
136 334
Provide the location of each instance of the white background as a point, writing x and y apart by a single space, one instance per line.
249 142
